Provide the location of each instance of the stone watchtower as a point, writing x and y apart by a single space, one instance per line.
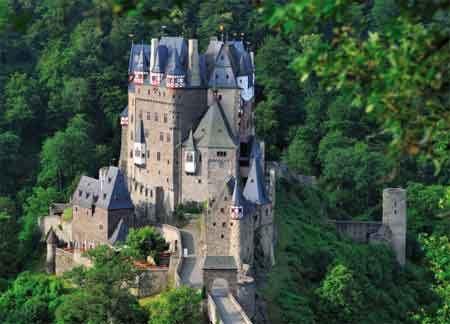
52 240
394 216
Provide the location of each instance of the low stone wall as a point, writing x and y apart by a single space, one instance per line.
64 261
173 236
213 311
151 282
358 231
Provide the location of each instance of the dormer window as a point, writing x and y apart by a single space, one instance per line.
80 193
109 179
104 196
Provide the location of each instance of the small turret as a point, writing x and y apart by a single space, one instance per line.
140 69
52 240
237 203
193 67
139 144
157 72
176 77
190 163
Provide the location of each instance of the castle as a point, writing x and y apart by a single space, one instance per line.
188 136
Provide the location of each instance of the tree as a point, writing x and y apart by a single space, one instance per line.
437 250
101 294
396 70
9 243
9 158
180 305
340 294
143 242
67 154
32 298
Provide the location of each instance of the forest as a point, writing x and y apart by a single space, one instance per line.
355 93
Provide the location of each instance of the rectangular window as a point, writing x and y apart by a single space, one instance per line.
168 137
156 116
165 118
148 116
221 153
161 136
158 156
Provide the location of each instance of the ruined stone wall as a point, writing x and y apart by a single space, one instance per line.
358 231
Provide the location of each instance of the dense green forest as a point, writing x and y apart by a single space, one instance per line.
355 93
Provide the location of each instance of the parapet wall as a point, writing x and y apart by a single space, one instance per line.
173 236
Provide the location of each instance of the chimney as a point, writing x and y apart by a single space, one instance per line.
102 173
193 68
155 43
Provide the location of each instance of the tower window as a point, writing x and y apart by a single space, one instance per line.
148 116
222 236
224 224
156 116
161 136
100 227
231 223
158 156
168 138
214 224
222 210
165 118
131 153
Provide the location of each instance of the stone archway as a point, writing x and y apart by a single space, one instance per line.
220 287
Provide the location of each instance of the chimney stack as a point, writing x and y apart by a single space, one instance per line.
154 47
193 68
102 173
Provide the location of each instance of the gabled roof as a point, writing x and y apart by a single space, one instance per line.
255 190
124 112
120 233
111 194
139 58
219 262
213 130
140 136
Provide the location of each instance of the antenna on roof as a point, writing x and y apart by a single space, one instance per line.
131 36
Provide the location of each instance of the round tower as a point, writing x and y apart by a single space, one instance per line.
51 251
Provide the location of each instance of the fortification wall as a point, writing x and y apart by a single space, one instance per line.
358 231
151 282
172 235
246 293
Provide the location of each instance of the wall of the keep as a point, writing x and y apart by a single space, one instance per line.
218 224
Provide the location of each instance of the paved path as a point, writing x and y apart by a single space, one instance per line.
191 273
228 311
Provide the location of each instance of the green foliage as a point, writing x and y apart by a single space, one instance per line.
67 154
180 305
143 242
9 156
319 278
437 249
395 71
32 298
100 295
67 214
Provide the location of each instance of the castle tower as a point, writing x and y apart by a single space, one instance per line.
237 219
394 216
124 140
52 240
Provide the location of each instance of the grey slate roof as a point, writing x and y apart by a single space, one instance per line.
113 194
124 112
255 190
219 262
120 233
162 54
189 143
237 199
213 130
139 58
140 136
230 184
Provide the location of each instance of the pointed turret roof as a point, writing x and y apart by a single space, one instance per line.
140 136
255 190
124 112
237 199
189 143
51 236
120 233
213 129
